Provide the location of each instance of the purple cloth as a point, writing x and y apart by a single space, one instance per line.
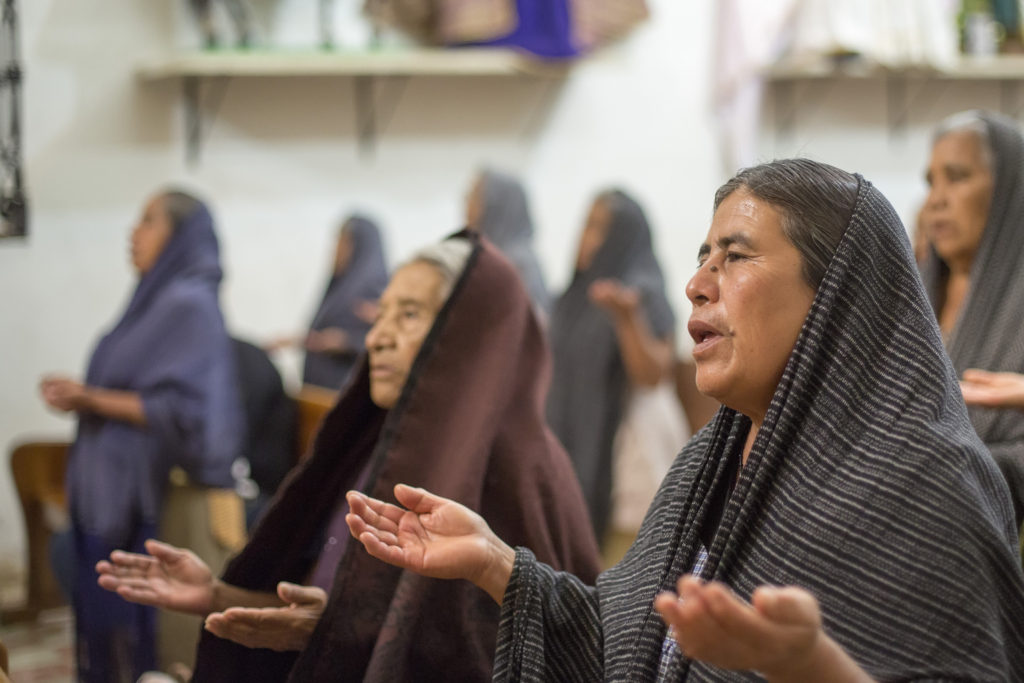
337 538
363 279
544 28
170 347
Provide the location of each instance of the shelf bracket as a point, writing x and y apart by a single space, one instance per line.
195 112
368 109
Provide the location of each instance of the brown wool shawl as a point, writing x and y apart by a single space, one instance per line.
469 426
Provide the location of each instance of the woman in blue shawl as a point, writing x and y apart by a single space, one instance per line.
335 337
161 390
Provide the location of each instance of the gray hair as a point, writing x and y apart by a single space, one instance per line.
448 257
816 201
969 121
179 206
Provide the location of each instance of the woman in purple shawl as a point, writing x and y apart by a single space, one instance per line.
161 390
335 337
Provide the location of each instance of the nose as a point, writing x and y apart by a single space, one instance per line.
703 286
936 198
379 335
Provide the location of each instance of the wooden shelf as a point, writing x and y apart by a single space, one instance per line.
386 62
999 68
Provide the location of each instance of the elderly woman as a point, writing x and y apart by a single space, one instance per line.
612 329
974 220
448 397
161 390
838 468
497 208
335 337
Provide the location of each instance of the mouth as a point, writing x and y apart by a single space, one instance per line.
704 335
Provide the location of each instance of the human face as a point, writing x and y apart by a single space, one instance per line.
595 232
343 250
475 204
749 302
408 308
959 196
150 235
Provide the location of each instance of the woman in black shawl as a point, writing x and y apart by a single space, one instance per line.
335 337
612 328
449 397
843 462
973 219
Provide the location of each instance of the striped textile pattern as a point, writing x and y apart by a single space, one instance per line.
989 333
866 485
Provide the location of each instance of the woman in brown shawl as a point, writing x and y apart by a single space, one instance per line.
464 416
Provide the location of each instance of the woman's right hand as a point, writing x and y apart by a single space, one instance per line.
62 393
168 577
435 537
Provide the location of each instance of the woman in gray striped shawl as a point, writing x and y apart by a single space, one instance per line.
842 465
973 219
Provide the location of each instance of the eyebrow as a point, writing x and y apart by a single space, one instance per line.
740 238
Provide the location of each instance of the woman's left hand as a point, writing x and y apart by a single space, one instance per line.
327 340
779 634
280 629
614 297
63 394
993 389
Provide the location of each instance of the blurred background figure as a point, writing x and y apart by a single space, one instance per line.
336 335
612 330
497 208
974 219
161 391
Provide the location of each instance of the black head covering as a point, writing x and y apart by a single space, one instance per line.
989 333
507 223
363 279
589 387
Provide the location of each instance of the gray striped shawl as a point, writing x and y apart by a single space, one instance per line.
866 485
989 333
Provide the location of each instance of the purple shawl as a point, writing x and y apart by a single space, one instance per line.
171 347
363 279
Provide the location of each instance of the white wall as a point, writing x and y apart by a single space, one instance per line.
281 165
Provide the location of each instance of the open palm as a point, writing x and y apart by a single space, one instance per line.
168 577
435 536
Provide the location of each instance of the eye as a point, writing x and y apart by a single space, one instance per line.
732 256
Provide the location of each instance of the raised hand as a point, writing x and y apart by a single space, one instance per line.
168 577
435 537
277 628
62 393
614 297
993 389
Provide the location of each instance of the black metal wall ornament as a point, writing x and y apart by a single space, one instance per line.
13 203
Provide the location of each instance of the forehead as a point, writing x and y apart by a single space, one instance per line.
416 282
742 212
959 146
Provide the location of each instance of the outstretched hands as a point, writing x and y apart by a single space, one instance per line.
168 577
993 389
434 536
778 634
277 628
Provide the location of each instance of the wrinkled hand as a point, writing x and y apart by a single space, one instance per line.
277 628
169 577
993 389
435 537
327 340
614 297
62 393
777 635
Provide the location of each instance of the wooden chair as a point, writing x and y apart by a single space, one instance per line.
314 403
38 470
